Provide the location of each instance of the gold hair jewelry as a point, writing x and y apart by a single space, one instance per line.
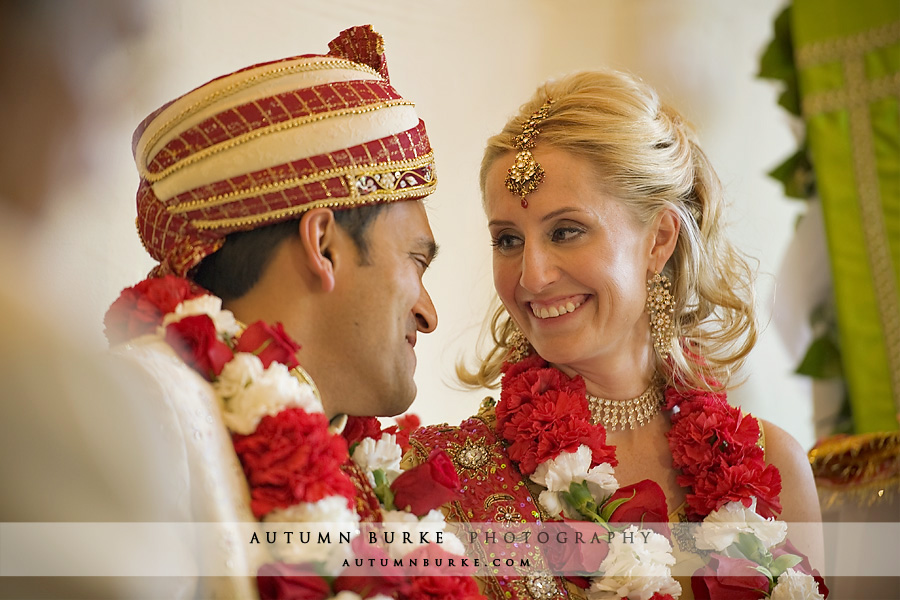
661 306
518 344
637 412
526 174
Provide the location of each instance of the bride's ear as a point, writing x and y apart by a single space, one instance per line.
665 236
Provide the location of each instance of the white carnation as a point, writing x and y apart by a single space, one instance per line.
385 454
205 305
400 521
794 585
251 393
572 467
330 517
637 566
721 528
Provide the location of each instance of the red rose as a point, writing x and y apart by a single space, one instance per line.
729 578
292 458
279 581
140 309
803 566
270 344
733 483
566 558
646 507
441 587
426 486
195 340
359 428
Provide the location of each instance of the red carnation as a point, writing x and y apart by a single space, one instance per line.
280 581
427 486
292 458
733 483
270 344
720 432
196 341
140 309
406 424
359 428
731 578
658 596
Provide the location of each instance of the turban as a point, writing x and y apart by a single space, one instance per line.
266 143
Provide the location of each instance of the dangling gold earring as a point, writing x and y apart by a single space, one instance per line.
518 344
661 306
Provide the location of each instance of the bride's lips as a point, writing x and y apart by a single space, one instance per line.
556 307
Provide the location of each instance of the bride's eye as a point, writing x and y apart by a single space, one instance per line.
564 234
506 242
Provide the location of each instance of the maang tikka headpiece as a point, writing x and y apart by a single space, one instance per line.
526 174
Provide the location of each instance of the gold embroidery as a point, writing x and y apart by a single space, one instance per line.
472 455
257 133
319 176
861 91
423 190
495 498
540 586
507 515
813 54
321 65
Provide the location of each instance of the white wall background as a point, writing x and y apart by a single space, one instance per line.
468 64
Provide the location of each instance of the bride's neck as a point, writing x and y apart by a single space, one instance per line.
616 376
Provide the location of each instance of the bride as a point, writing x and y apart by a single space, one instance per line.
625 312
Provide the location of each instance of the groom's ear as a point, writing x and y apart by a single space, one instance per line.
319 238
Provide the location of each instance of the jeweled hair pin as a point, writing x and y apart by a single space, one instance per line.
526 174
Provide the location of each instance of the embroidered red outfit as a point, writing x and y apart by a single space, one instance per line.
714 446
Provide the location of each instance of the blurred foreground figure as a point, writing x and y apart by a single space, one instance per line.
76 440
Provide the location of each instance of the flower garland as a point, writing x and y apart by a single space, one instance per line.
544 417
292 461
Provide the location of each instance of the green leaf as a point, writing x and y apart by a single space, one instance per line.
752 548
766 572
580 499
783 563
822 360
610 507
382 490
777 60
796 175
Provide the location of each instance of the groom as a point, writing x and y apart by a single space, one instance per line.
293 191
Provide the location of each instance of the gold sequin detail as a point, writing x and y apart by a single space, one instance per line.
661 306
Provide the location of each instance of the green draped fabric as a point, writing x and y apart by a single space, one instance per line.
848 61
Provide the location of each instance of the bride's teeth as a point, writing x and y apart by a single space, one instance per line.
554 311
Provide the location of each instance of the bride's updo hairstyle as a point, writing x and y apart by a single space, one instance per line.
646 155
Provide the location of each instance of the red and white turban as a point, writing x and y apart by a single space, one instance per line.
268 142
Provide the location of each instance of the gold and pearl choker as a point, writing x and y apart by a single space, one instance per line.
637 412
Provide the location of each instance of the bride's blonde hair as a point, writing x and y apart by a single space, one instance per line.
646 156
